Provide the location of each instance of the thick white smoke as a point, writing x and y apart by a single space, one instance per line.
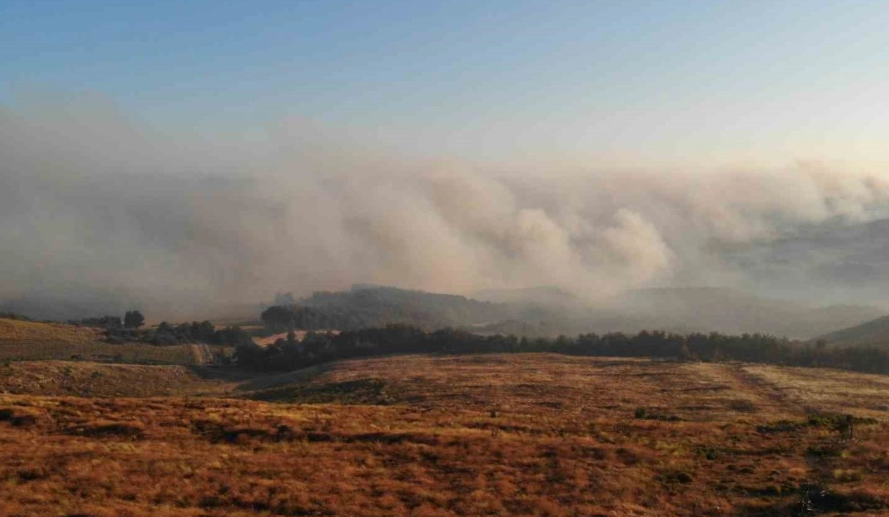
93 207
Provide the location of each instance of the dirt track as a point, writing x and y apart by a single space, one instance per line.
202 354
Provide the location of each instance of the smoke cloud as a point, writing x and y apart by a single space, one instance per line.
94 207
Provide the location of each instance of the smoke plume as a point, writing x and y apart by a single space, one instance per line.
95 207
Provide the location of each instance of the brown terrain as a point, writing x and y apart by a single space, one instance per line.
532 434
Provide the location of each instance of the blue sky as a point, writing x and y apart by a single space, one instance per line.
692 82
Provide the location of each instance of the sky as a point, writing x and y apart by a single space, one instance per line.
625 84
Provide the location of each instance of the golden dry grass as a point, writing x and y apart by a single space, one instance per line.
300 334
39 332
536 435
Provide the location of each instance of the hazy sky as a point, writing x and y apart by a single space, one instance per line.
696 83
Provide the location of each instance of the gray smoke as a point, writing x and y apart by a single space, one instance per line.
94 207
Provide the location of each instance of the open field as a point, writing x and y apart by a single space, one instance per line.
534 434
37 341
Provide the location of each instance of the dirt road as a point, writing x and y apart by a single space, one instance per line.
202 354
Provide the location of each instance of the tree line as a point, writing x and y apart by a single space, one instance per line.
166 334
315 348
131 320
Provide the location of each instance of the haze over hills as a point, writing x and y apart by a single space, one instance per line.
542 295
549 311
733 311
874 332
844 261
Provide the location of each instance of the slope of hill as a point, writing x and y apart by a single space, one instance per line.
23 331
32 340
874 332
533 435
90 379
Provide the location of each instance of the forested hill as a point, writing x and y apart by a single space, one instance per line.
364 306
874 332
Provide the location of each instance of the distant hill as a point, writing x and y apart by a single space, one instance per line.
547 311
874 332
367 306
544 295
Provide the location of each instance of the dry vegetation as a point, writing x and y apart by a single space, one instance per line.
38 332
104 380
541 435
32 341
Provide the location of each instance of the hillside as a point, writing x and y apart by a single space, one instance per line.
89 379
31 340
532 435
23 331
874 332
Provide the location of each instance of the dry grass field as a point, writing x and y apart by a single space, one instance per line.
104 380
37 341
39 332
535 435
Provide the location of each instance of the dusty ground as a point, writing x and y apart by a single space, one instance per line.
541 435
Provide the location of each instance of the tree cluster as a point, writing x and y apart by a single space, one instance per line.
133 319
105 322
169 334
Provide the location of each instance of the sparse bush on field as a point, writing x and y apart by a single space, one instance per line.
105 428
651 414
19 417
743 406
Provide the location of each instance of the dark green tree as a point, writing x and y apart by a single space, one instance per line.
133 319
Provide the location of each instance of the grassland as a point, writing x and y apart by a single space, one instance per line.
89 379
35 341
537 435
